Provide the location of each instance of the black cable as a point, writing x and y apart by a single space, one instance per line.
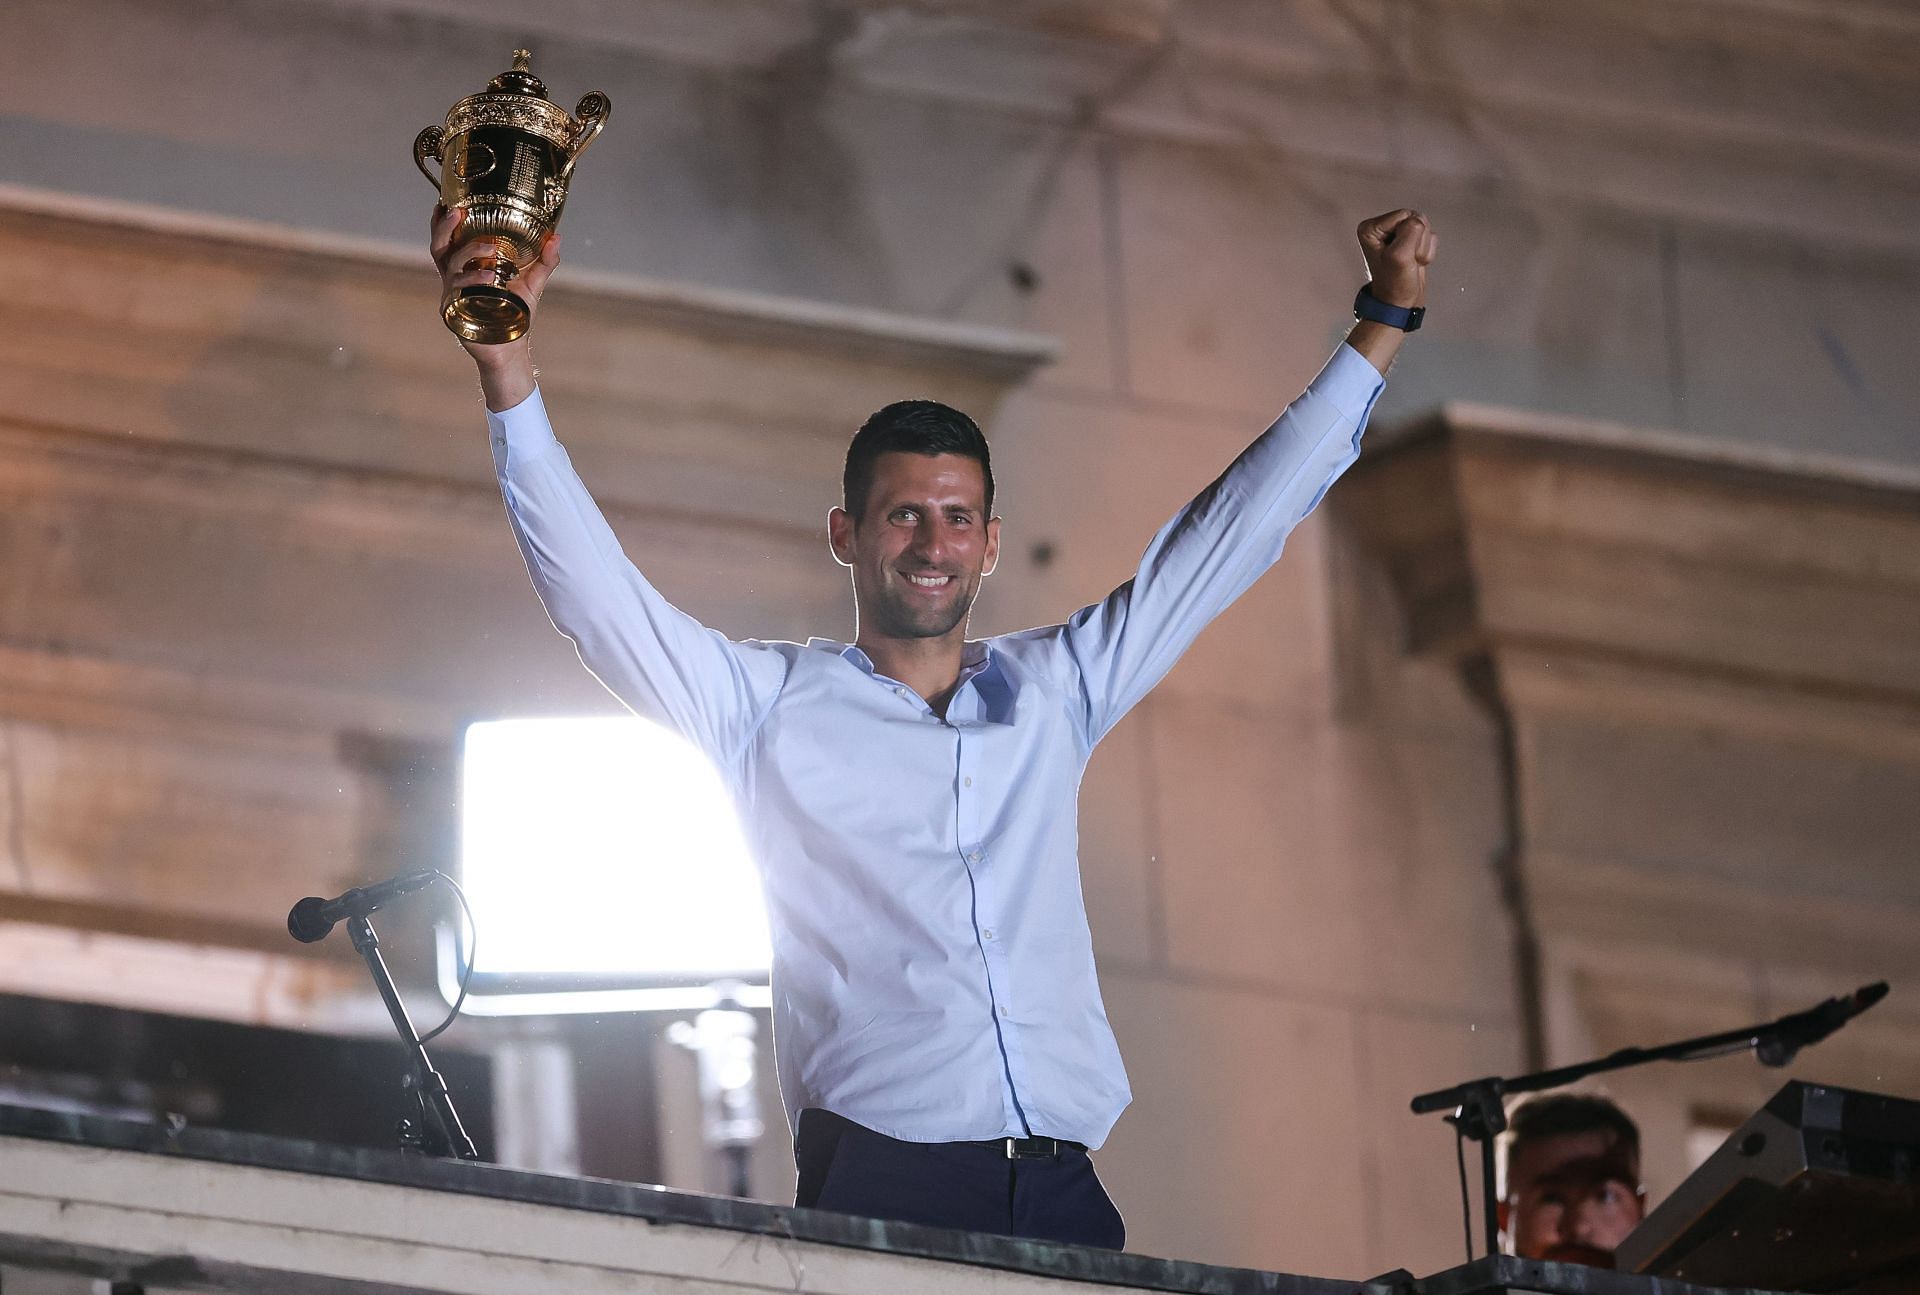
473 949
1466 1202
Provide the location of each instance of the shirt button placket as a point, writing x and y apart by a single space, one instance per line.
969 821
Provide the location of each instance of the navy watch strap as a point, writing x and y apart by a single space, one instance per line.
1368 306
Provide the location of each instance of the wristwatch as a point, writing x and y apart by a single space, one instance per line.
1368 306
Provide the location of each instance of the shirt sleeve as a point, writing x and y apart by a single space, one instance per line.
1219 544
660 661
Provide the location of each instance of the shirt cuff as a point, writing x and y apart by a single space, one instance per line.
522 433
1351 382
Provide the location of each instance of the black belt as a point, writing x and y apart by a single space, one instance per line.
818 1132
1026 1148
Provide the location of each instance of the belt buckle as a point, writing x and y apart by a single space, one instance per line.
1032 1148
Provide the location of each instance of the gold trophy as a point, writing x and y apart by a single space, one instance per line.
505 156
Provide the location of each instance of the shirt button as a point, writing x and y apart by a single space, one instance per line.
1003 1009
973 856
900 692
987 935
968 782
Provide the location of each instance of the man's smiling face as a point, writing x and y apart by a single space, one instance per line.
920 546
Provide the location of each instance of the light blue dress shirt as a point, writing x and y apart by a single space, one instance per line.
933 975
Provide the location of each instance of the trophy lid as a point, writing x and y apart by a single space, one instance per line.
517 100
518 79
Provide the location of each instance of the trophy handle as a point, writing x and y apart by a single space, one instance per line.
592 113
428 144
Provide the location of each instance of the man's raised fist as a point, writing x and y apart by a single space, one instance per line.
1399 247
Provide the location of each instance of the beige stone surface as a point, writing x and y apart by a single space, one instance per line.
1790 78
1668 593
1092 480
1811 361
1009 230
176 827
1235 277
1411 1177
1255 889
1336 861
1541 305
66 956
1241 1144
1790 818
1421 827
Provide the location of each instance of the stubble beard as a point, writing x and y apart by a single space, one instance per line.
896 617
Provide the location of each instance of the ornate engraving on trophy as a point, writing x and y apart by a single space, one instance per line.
505 156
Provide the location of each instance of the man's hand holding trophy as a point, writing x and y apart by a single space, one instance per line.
505 156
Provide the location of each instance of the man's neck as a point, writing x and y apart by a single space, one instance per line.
931 667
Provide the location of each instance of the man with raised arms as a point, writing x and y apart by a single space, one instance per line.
910 797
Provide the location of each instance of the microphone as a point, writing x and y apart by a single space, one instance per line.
313 916
1777 1043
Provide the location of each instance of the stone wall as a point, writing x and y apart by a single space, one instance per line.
1707 662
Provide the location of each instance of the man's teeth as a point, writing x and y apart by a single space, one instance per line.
929 582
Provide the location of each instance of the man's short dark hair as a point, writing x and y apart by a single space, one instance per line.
911 427
1572 1113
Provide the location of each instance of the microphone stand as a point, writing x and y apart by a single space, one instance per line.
438 1131
1477 1112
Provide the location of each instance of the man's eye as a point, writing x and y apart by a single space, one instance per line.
904 514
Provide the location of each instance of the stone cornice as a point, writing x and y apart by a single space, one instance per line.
1656 448
278 347
1502 529
1002 354
1705 662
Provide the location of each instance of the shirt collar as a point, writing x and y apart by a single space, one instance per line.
974 656
978 660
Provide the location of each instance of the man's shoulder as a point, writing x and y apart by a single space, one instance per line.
1027 645
1031 653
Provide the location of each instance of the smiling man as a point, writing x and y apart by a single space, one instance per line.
917 530
944 1054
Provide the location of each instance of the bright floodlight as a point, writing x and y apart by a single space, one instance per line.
605 852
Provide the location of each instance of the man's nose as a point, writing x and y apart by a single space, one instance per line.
930 540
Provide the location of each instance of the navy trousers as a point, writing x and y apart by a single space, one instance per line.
850 1169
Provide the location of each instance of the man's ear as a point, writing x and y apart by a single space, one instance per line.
840 535
993 546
